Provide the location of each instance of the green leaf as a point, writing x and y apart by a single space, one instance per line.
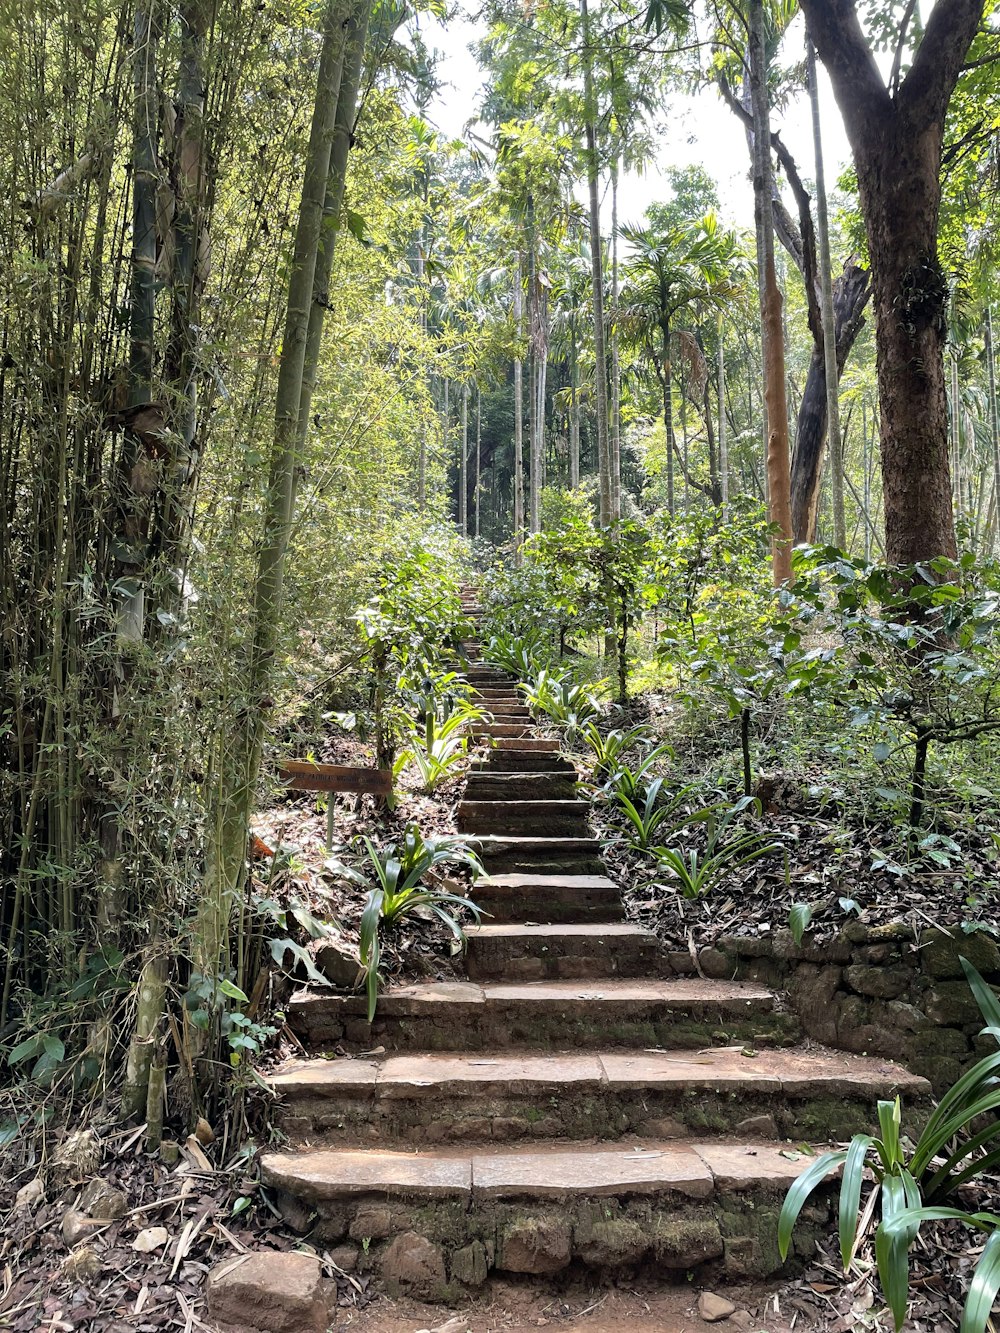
983 1289
795 1199
798 920
24 1050
233 992
850 1194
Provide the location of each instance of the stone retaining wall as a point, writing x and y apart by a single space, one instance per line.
880 990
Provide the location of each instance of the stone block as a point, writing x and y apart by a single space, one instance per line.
535 1245
881 983
271 1290
685 1242
470 1265
414 1265
941 954
952 1004
611 1244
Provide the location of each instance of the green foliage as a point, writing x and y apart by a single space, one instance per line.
909 652
568 703
957 1145
439 749
648 810
610 747
695 871
399 871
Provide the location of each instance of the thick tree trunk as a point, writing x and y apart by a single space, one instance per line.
897 134
900 195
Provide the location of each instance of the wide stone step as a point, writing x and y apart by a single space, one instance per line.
506 760
509 713
549 898
498 730
525 818
542 786
510 854
521 952
439 1223
509 1096
468 1016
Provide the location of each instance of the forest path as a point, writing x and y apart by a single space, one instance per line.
568 1110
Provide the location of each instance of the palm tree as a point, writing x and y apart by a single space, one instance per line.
673 269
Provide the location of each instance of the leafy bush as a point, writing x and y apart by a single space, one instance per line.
911 1183
569 704
648 811
696 871
440 747
399 870
611 746
523 655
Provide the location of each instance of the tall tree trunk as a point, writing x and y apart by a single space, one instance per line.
666 377
463 466
778 471
723 432
479 458
994 421
831 371
615 460
850 296
188 278
518 418
232 781
597 274
897 135
574 407
346 83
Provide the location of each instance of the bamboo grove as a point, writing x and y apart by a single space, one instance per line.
263 327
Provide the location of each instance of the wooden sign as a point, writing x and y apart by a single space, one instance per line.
300 775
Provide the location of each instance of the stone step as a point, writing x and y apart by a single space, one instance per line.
510 854
498 730
540 745
549 898
508 713
525 818
545 785
504 760
437 1224
468 1016
798 1095
519 952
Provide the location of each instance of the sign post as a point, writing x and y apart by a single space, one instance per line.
302 775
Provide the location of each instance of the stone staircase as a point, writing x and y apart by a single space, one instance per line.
568 1107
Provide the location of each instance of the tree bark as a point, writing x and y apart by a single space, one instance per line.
615 450
831 370
850 296
778 470
597 273
574 407
463 466
518 419
897 136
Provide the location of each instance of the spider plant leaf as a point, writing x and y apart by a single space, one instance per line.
798 1194
850 1194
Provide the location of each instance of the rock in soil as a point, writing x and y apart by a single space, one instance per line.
271 1291
713 1309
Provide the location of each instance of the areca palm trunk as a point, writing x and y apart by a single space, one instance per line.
597 274
518 418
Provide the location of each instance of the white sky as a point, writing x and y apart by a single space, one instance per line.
701 129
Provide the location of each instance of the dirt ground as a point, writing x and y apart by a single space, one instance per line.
514 1309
